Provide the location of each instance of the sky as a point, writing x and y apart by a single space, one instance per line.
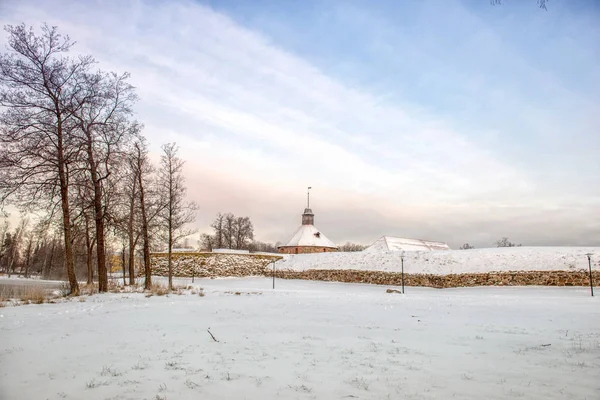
449 120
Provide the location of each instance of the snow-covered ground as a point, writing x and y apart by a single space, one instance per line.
306 340
451 261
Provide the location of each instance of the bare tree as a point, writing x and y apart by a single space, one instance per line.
103 130
218 227
257 245
243 232
40 89
177 212
228 230
90 242
150 205
504 242
49 258
82 219
14 245
4 230
352 247
131 233
466 246
126 216
207 242
30 237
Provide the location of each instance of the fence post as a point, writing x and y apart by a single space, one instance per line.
273 274
589 256
402 261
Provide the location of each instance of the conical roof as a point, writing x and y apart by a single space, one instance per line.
309 236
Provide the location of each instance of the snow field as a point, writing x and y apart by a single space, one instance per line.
445 262
306 340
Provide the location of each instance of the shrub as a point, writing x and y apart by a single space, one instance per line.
159 289
89 289
33 294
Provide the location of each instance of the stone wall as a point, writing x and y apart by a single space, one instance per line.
538 278
221 264
212 264
306 250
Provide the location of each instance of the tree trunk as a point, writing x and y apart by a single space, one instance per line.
145 236
48 266
170 259
131 262
131 236
123 266
170 263
28 258
64 198
70 265
43 269
98 217
100 245
88 252
90 264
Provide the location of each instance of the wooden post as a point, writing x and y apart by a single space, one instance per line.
589 256
402 260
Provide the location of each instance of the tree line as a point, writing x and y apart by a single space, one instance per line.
233 232
503 242
73 155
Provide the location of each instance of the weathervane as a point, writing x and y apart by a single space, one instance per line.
308 197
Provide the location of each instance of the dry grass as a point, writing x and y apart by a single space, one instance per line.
89 289
30 294
65 289
3 297
180 290
33 294
114 286
158 289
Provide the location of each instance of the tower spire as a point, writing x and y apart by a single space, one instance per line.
308 218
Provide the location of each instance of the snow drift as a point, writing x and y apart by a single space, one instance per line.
451 261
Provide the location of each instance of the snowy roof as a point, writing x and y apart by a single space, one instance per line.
183 250
390 243
231 251
308 235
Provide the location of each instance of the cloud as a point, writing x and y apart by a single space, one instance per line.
258 123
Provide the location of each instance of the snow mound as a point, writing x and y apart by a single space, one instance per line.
451 261
391 243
